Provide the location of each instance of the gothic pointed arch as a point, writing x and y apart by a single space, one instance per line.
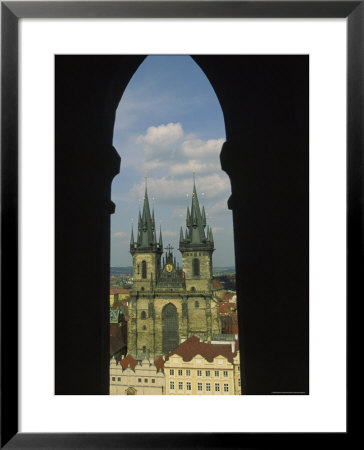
170 330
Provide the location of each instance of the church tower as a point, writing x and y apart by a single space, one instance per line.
197 246
146 253
168 305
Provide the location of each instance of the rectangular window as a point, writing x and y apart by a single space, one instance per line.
180 385
226 387
238 368
145 380
188 373
171 372
180 372
153 380
113 378
217 387
188 385
208 387
225 373
216 373
139 380
239 382
207 373
171 385
199 386
199 373
119 379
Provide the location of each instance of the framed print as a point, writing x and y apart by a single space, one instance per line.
277 142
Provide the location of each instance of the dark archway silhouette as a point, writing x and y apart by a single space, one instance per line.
265 105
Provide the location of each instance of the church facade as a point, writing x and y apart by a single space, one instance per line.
169 304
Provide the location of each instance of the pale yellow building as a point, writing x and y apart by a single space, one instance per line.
118 294
130 377
198 368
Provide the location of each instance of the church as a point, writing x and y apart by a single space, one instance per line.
169 304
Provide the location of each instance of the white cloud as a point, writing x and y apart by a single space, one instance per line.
166 189
120 234
197 148
216 230
194 166
169 233
162 137
219 207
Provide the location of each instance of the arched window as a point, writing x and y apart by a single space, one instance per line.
196 267
193 289
144 349
143 315
144 269
170 338
144 327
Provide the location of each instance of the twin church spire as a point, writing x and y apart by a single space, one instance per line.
195 233
147 234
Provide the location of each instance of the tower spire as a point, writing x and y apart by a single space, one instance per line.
198 221
146 223
160 238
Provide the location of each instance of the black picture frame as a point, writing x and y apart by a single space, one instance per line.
11 12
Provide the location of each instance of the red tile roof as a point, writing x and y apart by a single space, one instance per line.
226 308
159 363
128 360
229 295
192 347
217 285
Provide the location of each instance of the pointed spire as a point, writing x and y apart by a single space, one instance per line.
160 238
203 216
181 235
147 228
186 236
197 222
132 237
188 217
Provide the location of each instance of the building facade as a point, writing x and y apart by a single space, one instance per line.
168 304
129 377
197 368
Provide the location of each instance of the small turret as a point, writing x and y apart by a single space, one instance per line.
160 239
132 243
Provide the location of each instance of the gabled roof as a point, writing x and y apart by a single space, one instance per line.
216 284
128 360
192 347
159 363
228 296
226 307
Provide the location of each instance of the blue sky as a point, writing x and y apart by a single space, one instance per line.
168 125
